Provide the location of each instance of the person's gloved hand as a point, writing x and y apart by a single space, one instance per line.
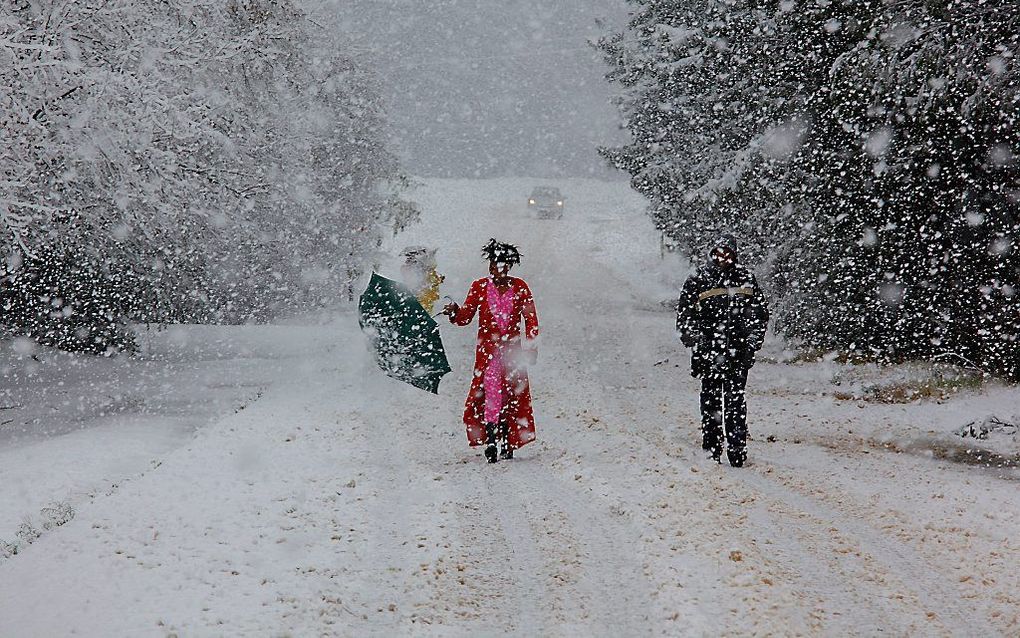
531 356
688 338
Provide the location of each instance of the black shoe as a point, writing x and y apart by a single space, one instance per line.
737 457
490 453
506 453
716 455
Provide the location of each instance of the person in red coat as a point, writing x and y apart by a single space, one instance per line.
498 406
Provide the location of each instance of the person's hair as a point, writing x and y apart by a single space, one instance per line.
501 253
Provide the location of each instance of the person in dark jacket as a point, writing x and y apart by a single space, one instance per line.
722 317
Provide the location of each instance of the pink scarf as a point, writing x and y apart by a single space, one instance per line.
501 306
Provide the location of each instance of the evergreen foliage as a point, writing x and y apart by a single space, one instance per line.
866 154
196 160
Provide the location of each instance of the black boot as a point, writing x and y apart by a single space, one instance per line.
737 456
490 442
712 445
505 451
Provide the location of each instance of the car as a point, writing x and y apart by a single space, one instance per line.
547 202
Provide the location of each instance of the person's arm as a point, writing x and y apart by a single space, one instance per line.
530 316
685 313
464 315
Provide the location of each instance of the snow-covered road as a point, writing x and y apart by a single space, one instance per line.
344 503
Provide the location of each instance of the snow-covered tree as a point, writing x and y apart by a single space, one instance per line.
914 189
864 151
715 95
189 160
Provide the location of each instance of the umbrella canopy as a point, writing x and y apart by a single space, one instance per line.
406 339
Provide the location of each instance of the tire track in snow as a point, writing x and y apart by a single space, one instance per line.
899 561
829 585
523 559
817 543
581 550
970 559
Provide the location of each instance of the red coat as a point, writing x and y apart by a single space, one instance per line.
517 411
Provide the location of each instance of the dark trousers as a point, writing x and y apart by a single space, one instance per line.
722 401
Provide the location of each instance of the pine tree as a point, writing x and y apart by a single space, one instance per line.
911 249
865 153
197 160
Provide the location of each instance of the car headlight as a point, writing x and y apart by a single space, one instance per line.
531 201
559 203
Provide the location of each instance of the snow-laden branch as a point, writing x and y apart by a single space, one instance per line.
193 147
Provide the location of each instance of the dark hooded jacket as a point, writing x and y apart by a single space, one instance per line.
722 316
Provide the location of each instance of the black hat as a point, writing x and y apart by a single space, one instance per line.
725 240
501 253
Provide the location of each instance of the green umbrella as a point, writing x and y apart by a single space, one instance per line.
406 339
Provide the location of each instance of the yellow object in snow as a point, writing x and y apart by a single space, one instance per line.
429 293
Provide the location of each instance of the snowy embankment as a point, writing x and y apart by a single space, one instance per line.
344 503
75 427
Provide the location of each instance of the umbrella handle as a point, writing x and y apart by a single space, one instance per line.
438 314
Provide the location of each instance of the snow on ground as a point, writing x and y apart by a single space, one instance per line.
344 503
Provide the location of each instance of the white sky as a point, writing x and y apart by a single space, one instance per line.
489 87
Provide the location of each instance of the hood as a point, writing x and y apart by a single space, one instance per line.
727 240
